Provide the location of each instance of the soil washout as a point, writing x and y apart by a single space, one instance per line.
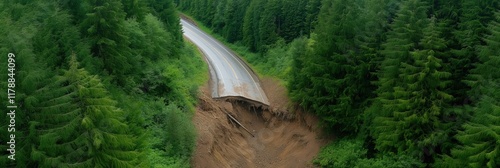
282 137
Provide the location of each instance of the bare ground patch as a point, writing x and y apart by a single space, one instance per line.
284 136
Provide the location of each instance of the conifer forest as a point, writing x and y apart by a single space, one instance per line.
113 83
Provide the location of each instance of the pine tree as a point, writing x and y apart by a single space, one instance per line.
233 17
29 74
158 41
104 26
268 25
473 21
80 126
219 21
63 36
168 15
334 67
373 33
481 135
166 12
404 37
294 14
75 8
421 104
135 9
313 7
299 52
230 31
251 25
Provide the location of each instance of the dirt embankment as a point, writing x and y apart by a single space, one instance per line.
281 137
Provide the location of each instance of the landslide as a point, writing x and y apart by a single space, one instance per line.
281 136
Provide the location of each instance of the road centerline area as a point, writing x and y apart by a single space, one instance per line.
235 78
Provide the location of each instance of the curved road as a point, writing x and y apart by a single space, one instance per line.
231 76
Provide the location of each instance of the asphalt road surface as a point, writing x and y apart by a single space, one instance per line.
231 77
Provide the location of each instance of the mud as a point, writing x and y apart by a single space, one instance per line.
284 136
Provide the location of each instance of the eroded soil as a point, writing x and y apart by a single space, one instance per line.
280 136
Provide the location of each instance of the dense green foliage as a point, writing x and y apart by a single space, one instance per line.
414 81
100 83
257 23
78 124
479 138
350 153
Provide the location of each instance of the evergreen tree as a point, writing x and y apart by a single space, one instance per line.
63 36
312 9
268 24
480 136
79 125
447 12
406 32
296 76
166 12
208 16
294 14
472 27
75 8
104 26
230 30
179 134
219 20
157 40
233 19
373 33
335 68
29 74
198 9
251 22
135 9
419 105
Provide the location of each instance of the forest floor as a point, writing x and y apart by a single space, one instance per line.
283 135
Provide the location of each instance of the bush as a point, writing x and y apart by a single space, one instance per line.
351 153
389 161
344 153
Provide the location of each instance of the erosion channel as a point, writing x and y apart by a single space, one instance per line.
282 137
242 127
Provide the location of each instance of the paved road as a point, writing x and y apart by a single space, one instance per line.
231 76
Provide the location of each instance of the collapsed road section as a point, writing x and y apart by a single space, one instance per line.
231 77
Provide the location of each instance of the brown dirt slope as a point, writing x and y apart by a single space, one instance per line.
281 138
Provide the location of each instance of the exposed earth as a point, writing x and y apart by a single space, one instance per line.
281 136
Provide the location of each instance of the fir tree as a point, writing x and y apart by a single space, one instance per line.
294 14
104 25
168 15
219 20
370 40
166 12
29 74
479 139
268 25
79 125
420 104
474 18
406 32
335 67
232 28
313 7
251 25
63 36
76 9
135 9
235 29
